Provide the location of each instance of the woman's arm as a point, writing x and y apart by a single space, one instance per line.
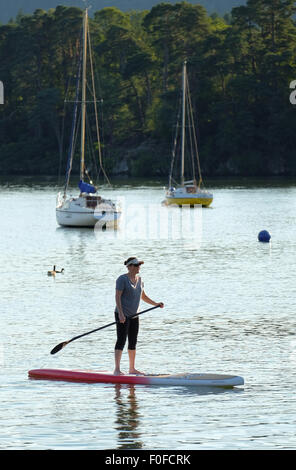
118 294
151 302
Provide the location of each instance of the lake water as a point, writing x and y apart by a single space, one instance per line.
230 307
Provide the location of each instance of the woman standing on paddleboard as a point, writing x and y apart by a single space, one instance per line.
129 292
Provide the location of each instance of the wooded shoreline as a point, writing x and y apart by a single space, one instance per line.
240 68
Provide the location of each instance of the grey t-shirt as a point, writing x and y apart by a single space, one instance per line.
131 294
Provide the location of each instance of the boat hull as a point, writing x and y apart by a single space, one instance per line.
189 201
90 219
187 379
75 219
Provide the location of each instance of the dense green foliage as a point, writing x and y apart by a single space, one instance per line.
239 72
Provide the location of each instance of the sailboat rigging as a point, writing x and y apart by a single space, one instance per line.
187 192
89 208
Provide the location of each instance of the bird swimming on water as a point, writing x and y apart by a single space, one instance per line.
54 271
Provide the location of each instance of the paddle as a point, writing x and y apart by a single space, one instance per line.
62 345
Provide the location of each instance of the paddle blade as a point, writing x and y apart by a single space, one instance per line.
59 347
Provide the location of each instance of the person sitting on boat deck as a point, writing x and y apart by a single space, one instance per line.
129 292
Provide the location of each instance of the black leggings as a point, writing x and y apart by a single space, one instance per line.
129 329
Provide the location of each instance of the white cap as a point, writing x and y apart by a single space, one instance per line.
134 261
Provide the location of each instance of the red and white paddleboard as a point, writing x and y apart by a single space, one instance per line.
186 379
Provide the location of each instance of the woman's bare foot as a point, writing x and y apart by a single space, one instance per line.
118 372
135 371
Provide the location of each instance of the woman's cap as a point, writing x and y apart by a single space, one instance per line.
133 261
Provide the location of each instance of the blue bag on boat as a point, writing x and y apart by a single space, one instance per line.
86 188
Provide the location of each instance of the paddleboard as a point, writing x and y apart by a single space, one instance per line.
92 376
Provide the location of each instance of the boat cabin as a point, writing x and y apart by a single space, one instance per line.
191 189
92 201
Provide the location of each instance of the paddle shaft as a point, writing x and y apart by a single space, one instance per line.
61 345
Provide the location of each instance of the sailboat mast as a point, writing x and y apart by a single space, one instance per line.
83 93
183 121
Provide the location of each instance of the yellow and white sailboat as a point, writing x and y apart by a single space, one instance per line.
187 192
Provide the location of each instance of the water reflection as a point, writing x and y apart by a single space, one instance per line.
127 418
201 391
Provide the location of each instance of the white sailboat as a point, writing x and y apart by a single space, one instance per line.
187 192
88 208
